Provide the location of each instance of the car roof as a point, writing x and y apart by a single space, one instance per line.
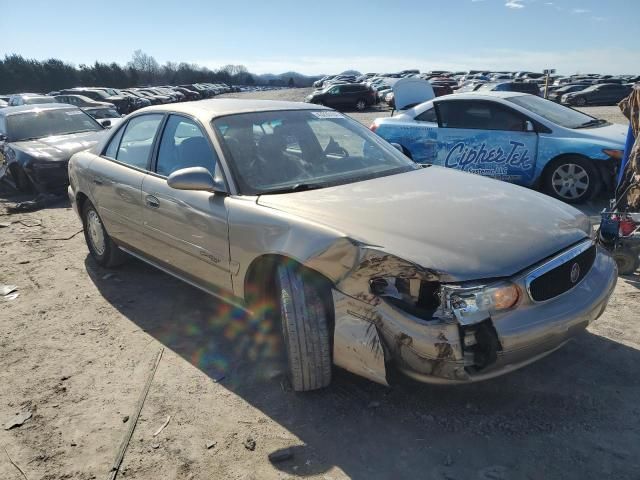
35 107
218 107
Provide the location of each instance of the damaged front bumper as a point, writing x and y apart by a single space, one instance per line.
369 335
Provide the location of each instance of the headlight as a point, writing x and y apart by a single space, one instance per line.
472 304
613 153
427 299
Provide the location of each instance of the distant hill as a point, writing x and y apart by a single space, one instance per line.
282 79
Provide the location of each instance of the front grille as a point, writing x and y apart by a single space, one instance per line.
558 280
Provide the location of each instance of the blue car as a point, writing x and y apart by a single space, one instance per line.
515 137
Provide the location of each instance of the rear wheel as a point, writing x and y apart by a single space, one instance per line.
361 104
627 261
572 179
305 327
102 248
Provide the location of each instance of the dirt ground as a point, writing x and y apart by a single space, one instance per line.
79 341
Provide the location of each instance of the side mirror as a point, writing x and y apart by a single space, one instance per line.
398 147
3 138
528 126
195 178
105 123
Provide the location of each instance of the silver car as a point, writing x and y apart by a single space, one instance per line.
369 260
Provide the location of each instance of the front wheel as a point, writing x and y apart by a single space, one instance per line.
102 248
627 261
571 179
581 101
305 327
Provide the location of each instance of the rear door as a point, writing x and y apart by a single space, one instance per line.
187 231
486 138
117 179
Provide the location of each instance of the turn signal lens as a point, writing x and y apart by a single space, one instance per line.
502 297
616 154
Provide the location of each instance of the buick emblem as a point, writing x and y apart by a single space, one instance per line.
575 272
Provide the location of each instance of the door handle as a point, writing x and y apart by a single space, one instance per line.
98 181
152 201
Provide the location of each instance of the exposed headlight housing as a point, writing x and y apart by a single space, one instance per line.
473 304
427 300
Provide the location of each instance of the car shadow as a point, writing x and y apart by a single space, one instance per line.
408 431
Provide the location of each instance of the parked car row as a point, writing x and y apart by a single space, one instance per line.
578 90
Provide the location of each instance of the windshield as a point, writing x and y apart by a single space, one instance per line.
45 123
554 112
101 113
276 151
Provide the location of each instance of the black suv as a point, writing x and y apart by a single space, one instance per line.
349 95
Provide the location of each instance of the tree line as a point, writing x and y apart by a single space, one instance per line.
19 74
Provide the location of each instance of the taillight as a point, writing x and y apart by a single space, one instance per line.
373 127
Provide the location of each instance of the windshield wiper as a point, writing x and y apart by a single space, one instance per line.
298 187
591 123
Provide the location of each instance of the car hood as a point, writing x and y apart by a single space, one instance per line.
411 91
59 147
615 133
463 225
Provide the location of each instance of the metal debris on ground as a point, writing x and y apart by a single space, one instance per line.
163 426
18 419
250 444
40 201
4 225
280 455
210 445
7 289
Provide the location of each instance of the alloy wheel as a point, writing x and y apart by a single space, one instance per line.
570 181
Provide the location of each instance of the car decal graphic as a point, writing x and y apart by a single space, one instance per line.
464 157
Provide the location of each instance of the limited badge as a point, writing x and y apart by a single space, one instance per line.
575 272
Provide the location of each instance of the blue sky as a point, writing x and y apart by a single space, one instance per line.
329 36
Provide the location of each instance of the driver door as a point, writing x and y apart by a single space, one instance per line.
486 138
187 230
333 98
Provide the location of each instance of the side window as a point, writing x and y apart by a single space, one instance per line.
112 148
137 140
184 145
479 115
428 115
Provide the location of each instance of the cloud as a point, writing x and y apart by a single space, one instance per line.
514 4
580 11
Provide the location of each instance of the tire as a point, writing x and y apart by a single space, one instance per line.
581 102
22 181
627 261
304 328
571 179
101 247
361 104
